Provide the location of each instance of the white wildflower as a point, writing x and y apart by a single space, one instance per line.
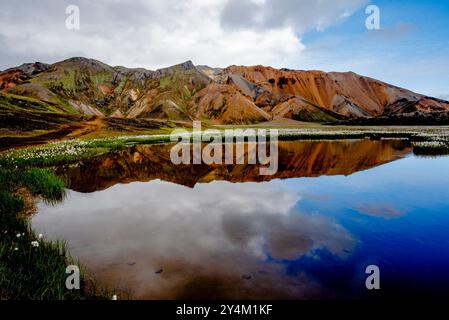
35 244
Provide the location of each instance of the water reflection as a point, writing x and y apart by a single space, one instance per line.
176 236
215 240
385 210
296 159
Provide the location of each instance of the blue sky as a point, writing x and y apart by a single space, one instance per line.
410 50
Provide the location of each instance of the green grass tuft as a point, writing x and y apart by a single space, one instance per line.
31 267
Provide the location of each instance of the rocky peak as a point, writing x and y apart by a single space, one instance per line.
31 69
188 65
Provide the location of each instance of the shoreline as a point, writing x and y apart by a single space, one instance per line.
32 168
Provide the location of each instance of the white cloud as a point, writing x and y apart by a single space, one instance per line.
159 33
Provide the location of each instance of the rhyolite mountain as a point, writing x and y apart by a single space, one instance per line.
296 159
233 95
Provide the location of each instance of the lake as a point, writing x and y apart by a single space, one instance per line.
150 229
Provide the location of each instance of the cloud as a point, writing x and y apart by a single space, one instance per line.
300 15
159 33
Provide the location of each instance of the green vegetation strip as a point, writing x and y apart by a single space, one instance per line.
64 152
431 148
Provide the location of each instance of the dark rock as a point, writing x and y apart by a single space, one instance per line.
31 69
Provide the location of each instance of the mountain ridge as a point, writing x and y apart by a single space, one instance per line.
231 95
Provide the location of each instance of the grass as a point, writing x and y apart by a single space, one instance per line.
37 181
165 82
30 266
53 154
431 148
46 156
4 132
18 103
25 115
12 102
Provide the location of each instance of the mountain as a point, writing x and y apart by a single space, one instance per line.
91 87
80 87
226 104
344 95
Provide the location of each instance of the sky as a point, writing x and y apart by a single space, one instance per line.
411 48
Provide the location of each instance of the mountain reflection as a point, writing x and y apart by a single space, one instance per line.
296 159
144 226
188 234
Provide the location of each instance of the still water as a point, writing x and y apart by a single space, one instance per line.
154 230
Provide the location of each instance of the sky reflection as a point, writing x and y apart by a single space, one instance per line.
285 238
231 231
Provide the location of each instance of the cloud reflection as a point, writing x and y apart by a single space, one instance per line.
217 240
384 210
